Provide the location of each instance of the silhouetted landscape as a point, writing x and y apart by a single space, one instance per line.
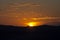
43 32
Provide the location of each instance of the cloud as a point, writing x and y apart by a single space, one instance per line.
25 4
39 18
20 7
30 5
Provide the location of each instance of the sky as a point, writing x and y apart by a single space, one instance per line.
17 12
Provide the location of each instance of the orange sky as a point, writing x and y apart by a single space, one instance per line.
13 12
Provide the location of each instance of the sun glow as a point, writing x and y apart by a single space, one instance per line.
32 24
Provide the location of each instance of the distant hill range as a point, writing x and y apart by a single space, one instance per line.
21 28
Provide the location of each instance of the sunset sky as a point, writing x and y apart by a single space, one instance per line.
18 12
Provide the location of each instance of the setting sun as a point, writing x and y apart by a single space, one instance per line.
32 24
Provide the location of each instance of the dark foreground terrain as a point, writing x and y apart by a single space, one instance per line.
44 32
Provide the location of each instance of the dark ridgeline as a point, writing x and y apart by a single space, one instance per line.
44 32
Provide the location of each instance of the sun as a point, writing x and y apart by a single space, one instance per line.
32 24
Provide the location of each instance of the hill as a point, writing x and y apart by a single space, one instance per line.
44 32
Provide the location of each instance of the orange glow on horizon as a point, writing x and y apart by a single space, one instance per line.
33 24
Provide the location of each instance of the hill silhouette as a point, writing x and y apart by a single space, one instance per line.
43 32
